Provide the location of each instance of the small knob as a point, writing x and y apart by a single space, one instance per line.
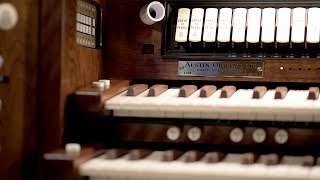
236 135
281 136
194 134
259 135
105 81
73 149
8 16
98 84
173 133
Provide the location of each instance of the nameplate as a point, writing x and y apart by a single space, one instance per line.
221 68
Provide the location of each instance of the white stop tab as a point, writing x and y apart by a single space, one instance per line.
313 26
283 25
182 27
253 25
210 25
196 24
268 24
298 25
224 25
239 25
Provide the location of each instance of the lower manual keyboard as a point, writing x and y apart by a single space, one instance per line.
231 167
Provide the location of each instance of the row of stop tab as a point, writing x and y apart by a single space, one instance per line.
253 25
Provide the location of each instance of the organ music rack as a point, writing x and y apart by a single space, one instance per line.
124 60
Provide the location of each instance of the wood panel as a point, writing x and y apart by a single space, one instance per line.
126 35
68 67
18 132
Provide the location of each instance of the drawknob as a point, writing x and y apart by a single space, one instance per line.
8 16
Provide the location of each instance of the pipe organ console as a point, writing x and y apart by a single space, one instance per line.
217 90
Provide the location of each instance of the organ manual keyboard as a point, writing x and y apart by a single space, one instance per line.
218 90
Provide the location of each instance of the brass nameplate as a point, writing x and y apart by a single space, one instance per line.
221 68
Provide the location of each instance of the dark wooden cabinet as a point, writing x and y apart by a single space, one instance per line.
44 65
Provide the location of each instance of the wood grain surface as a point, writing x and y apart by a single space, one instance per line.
67 66
125 36
18 133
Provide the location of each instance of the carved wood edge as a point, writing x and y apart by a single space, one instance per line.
90 99
58 164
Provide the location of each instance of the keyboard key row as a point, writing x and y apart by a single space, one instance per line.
176 164
278 104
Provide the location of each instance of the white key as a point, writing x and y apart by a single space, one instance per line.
168 104
93 31
295 167
316 110
263 107
89 21
302 107
78 17
187 106
151 167
314 173
234 162
283 25
228 107
281 108
298 25
135 106
204 106
241 104
268 24
196 23
78 26
313 27
182 25
114 103
210 25
239 25
224 26
253 25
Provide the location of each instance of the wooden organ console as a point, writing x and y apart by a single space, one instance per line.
216 90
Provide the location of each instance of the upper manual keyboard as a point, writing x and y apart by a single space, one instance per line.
226 103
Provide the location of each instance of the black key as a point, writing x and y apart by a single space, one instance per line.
281 92
136 89
207 91
137 154
259 92
116 153
171 155
156 90
227 91
187 90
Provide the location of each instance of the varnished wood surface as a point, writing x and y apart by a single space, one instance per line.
59 165
125 35
301 140
18 124
91 99
68 67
